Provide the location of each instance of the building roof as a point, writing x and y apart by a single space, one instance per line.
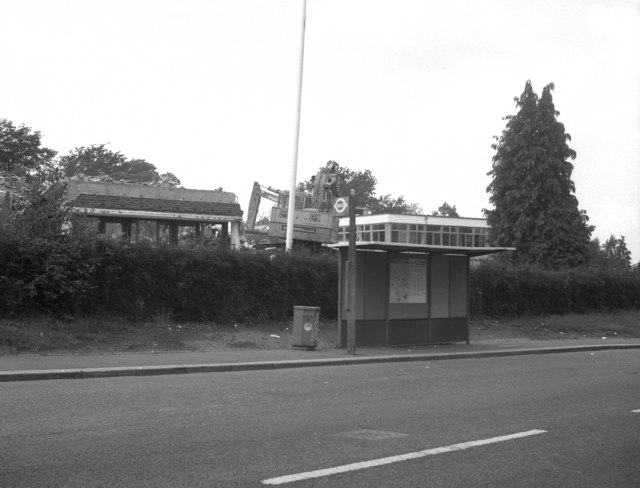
153 203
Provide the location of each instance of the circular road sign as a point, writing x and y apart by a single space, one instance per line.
340 205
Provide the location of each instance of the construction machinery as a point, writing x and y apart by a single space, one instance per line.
316 213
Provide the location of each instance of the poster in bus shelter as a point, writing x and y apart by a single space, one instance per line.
408 281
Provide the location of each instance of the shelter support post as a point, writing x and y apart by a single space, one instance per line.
351 277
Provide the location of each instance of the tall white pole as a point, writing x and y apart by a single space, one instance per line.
294 165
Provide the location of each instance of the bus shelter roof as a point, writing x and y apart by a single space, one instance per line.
421 248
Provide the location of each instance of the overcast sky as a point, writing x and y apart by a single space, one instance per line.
413 90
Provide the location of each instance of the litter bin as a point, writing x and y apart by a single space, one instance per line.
305 326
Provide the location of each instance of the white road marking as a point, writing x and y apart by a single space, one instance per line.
635 411
370 435
396 459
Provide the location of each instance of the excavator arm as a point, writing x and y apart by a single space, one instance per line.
257 194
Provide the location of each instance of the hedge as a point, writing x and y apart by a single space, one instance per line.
96 277
100 277
504 291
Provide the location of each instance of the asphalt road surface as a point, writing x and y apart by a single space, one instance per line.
564 420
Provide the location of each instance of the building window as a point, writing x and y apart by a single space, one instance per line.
144 231
115 229
367 232
399 233
187 234
434 235
364 232
163 233
371 232
378 233
430 235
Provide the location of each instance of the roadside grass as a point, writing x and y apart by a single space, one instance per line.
109 335
615 324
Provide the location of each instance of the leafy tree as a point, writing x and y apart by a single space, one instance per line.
98 160
21 151
262 224
387 204
48 257
364 184
38 210
169 180
535 208
613 255
446 210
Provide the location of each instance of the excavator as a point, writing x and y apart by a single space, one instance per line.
316 213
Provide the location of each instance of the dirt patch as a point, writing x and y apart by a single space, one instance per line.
108 336
78 338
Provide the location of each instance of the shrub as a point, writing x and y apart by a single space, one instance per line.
500 290
200 283
77 276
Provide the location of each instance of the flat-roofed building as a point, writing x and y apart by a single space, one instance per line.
431 230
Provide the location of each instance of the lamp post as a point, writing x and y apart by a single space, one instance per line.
294 165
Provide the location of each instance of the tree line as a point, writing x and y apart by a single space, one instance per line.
532 192
22 154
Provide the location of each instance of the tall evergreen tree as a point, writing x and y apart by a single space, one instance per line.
535 208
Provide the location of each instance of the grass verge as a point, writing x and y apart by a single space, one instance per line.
105 335
610 325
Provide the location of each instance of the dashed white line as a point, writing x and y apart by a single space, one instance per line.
396 459
635 411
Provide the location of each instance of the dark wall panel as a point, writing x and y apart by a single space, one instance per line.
448 330
375 285
440 286
360 285
408 332
368 333
458 286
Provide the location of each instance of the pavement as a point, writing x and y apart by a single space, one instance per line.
26 367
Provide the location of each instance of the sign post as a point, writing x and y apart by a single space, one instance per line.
351 277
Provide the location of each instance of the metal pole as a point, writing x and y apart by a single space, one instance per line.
294 165
351 277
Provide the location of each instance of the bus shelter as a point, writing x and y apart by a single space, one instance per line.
408 293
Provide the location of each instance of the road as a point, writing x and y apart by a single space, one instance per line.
575 419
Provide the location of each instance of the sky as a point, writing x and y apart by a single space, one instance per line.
412 90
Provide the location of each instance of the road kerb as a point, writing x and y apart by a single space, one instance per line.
86 373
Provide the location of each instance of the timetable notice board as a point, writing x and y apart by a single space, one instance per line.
407 280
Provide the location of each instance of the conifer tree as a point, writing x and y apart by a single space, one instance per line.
535 208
